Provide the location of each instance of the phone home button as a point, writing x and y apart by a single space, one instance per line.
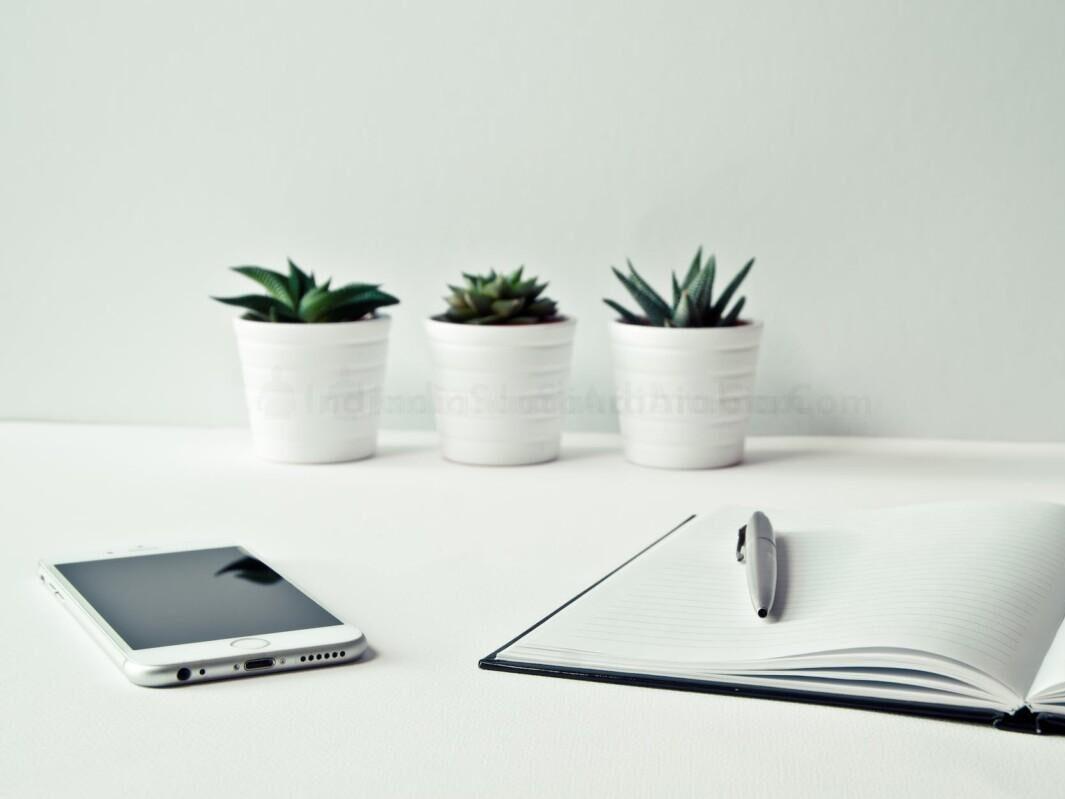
249 643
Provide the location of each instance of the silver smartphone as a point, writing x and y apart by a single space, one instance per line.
183 616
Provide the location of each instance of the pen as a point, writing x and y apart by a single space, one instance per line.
757 546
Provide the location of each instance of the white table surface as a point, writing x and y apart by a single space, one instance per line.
439 564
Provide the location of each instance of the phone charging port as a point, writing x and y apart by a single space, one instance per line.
258 663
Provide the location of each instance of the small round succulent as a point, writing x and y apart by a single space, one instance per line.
497 299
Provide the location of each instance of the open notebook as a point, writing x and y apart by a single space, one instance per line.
948 610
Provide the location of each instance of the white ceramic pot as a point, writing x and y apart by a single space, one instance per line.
684 394
499 390
313 390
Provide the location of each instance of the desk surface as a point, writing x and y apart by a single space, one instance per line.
439 564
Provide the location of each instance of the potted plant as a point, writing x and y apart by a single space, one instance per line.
501 356
313 359
684 370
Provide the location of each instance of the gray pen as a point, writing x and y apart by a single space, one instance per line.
757 546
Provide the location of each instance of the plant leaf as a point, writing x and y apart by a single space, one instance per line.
495 288
698 291
275 283
462 314
686 315
732 317
528 288
260 304
543 308
726 295
676 291
321 299
505 308
663 306
625 313
319 302
651 304
299 282
314 295
382 298
705 299
479 302
694 269
357 309
354 287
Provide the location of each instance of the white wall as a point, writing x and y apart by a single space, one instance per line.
896 167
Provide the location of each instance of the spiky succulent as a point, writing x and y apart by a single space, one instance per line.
693 302
298 298
499 300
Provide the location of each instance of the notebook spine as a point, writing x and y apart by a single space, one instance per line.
1047 724
1024 720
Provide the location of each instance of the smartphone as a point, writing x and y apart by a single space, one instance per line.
182 616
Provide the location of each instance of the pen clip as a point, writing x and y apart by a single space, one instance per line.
741 544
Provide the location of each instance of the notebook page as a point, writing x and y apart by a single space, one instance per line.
975 583
1049 682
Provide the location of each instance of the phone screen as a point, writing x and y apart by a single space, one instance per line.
198 595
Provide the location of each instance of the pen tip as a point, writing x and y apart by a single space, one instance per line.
762 613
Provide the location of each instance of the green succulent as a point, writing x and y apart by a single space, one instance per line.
693 302
298 298
499 300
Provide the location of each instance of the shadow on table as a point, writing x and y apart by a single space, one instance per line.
367 656
618 455
578 453
775 455
388 451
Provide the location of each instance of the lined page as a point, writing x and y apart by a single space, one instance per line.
975 583
1049 682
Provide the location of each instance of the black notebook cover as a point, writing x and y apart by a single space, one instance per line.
1021 721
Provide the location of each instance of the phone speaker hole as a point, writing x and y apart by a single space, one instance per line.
320 655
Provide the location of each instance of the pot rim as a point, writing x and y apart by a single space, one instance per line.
256 324
554 324
540 334
705 339
361 331
747 324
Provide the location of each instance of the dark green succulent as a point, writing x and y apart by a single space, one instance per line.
499 300
298 298
693 301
